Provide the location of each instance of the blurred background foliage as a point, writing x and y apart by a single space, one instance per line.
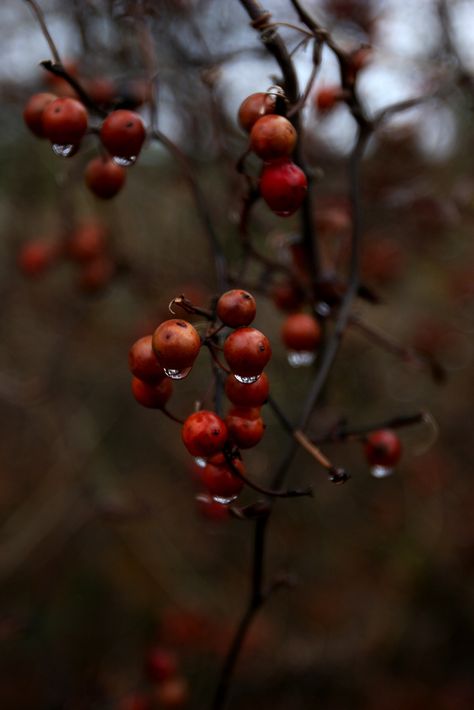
103 552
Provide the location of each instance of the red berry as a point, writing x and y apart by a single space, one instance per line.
87 242
327 97
287 296
176 344
123 133
104 177
236 308
101 90
383 448
161 664
142 361
204 433
301 332
254 107
65 121
283 186
220 481
96 274
247 395
272 137
172 694
35 257
33 113
245 426
210 508
247 351
152 395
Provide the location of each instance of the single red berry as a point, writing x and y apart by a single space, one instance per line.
123 134
161 664
87 242
236 308
104 178
245 426
142 361
327 97
301 332
287 295
247 395
172 694
96 274
152 395
383 448
272 137
254 107
101 90
204 433
36 256
247 351
220 481
33 113
65 121
176 344
210 508
283 186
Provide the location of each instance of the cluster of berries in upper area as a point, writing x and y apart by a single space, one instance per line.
283 185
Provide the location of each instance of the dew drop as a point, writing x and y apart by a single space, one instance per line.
177 374
63 151
222 500
249 380
124 162
199 461
301 358
323 309
381 471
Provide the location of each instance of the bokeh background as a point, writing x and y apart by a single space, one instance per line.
103 552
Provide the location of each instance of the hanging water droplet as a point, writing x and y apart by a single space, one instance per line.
323 309
301 358
381 471
63 151
177 374
124 162
199 461
222 500
249 380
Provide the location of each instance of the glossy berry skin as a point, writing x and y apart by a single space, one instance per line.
152 395
272 137
236 308
161 664
104 178
219 480
176 344
123 133
35 257
301 332
210 508
283 186
245 426
247 351
142 361
327 97
383 448
254 107
33 112
65 121
247 395
204 433
87 242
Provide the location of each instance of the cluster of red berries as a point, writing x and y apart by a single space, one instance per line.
64 121
283 184
87 247
169 354
169 688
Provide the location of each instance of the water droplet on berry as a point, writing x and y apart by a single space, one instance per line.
63 151
177 374
124 162
249 380
284 214
199 461
222 500
301 358
381 471
323 309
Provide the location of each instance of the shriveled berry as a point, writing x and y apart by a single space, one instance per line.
176 344
104 178
301 332
236 308
283 186
382 448
272 137
245 426
142 361
247 395
123 133
161 664
152 395
204 433
33 112
247 351
65 121
220 481
254 107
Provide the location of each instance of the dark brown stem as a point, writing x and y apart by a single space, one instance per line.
44 29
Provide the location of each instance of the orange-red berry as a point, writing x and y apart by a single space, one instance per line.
176 344
204 433
142 361
87 242
245 426
123 134
287 296
104 178
272 137
35 257
247 395
33 112
236 308
327 97
283 186
383 448
64 121
301 332
254 107
220 481
152 395
247 351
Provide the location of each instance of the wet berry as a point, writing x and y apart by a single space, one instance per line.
247 351
220 481
152 395
383 448
301 332
236 308
247 395
104 178
210 508
245 426
142 361
123 133
176 344
204 433
65 121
